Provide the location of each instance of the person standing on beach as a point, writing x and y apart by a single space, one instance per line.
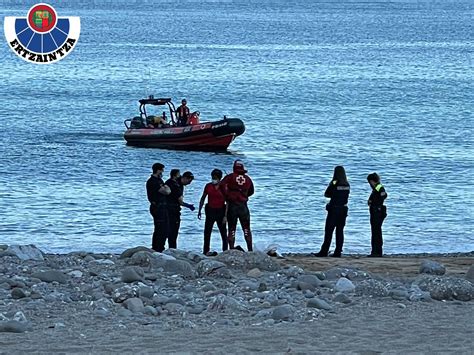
238 187
338 191
215 211
378 212
156 192
176 183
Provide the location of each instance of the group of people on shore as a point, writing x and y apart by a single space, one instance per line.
227 204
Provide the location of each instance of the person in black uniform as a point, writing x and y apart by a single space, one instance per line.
378 212
156 192
182 113
338 191
176 183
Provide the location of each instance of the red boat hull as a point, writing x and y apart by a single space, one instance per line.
210 136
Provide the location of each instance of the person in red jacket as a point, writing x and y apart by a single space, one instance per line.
215 210
238 187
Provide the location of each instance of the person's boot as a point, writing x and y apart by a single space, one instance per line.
320 254
336 254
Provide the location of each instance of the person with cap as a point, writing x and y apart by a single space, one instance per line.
378 213
338 192
182 113
156 193
176 183
215 211
238 187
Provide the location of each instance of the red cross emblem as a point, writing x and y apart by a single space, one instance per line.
240 180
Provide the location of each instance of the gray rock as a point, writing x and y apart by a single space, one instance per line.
141 258
372 287
208 267
319 304
174 308
222 302
151 311
310 279
470 274
248 285
350 273
26 252
125 292
292 271
75 273
446 288
302 286
89 258
247 261
3 247
285 312
176 299
264 313
344 285
416 294
399 294
146 291
18 293
195 309
179 267
51 276
255 273
135 305
129 252
262 287
432 267
13 326
159 300
123 312
308 294
132 273
20 317
342 298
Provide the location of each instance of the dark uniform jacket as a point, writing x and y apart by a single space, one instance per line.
377 196
177 190
339 194
153 186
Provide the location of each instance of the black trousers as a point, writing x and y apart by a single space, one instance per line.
377 216
239 212
336 219
160 220
214 215
174 218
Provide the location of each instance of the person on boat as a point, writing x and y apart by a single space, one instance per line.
176 183
157 121
378 212
156 193
182 113
215 211
338 192
238 187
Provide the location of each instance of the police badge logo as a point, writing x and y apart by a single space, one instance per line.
42 37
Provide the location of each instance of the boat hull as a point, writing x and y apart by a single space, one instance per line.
208 136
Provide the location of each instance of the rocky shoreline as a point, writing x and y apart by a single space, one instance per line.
182 291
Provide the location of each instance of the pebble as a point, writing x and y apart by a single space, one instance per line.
319 304
344 285
51 276
134 305
132 273
432 267
342 298
285 312
13 326
18 293
255 273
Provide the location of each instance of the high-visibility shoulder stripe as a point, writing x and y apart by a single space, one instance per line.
378 187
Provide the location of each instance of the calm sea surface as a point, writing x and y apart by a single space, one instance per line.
374 86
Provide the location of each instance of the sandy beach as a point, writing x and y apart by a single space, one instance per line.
182 302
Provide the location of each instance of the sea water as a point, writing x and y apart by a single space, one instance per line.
383 86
